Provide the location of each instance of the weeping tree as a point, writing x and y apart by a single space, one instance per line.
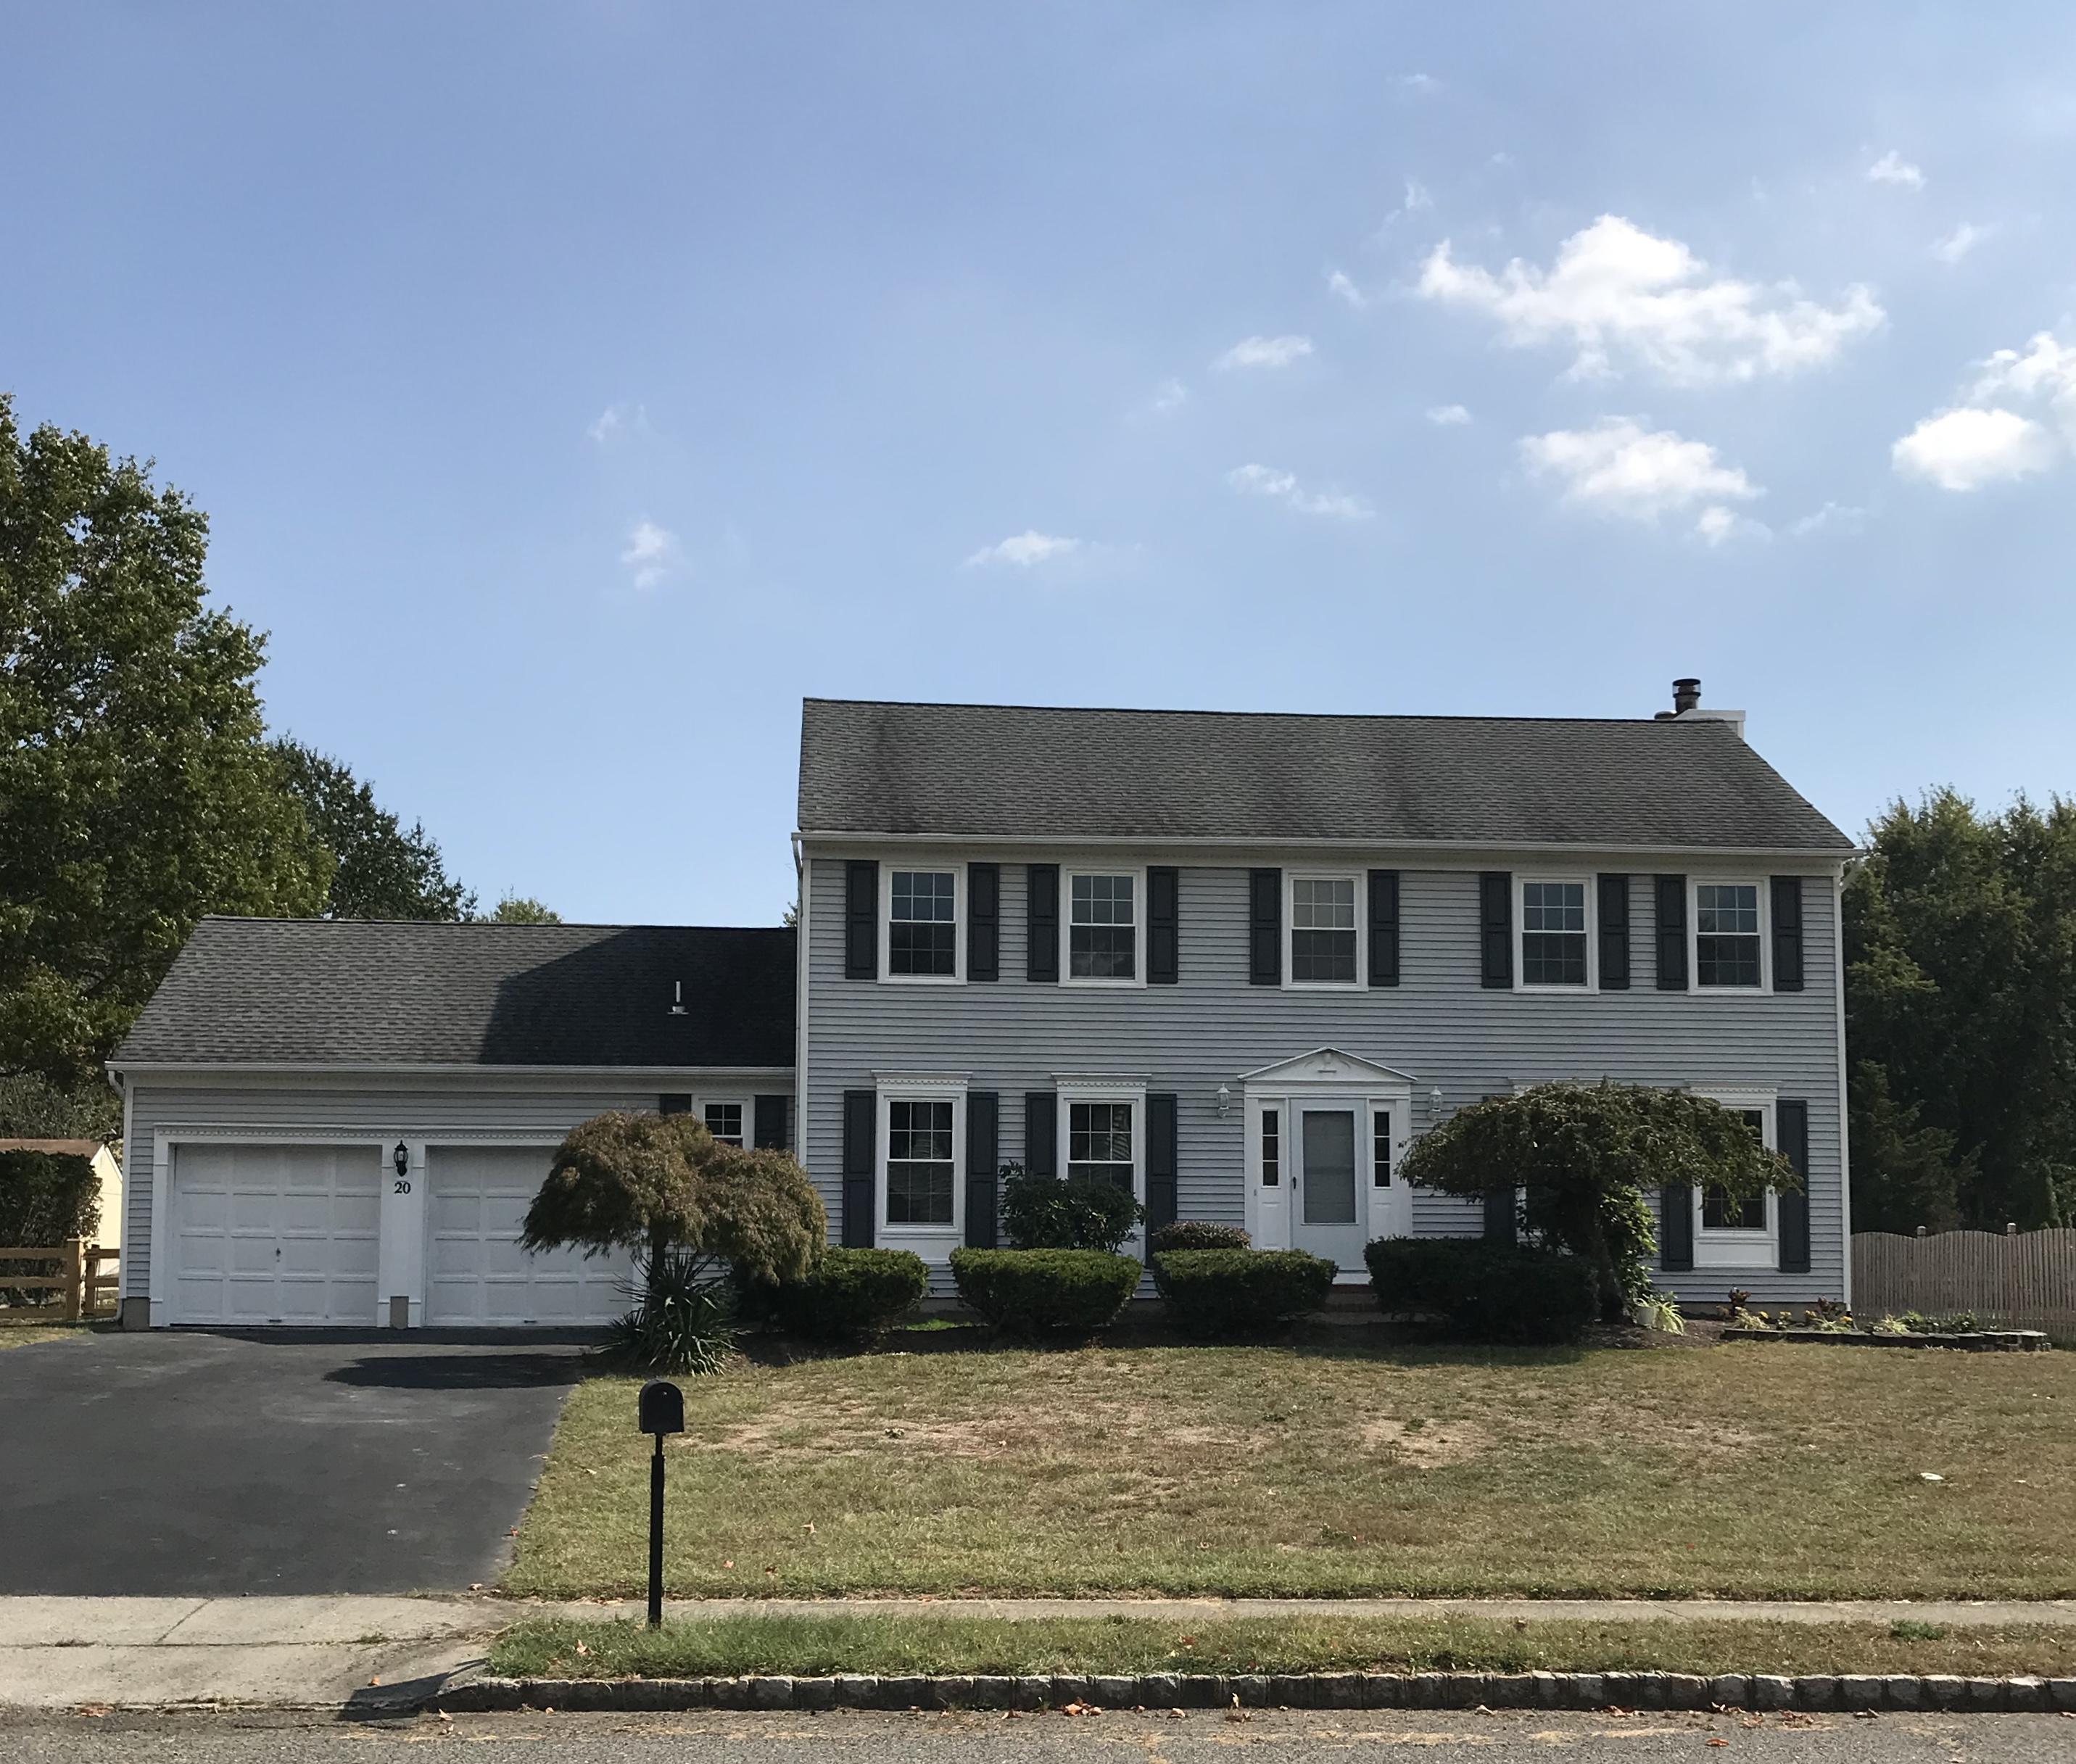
1584 1161
691 1210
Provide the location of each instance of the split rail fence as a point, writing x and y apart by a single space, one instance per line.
2016 1280
79 1282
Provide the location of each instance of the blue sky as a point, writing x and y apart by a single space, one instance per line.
573 388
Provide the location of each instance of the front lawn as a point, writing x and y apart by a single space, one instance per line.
1336 1468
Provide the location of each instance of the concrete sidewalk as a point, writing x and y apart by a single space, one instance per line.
364 1654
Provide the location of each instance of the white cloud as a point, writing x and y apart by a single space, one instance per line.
1718 525
2046 370
1025 550
1448 416
1338 282
1619 468
1283 487
1417 82
652 553
1956 244
1622 297
617 420
1168 396
1966 449
1891 168
1265 352
1837 518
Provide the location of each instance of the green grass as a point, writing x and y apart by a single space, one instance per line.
900 1646
18 1331
1343 1468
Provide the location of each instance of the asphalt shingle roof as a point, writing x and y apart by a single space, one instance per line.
345 992
1017 771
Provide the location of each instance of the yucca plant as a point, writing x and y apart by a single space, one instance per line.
683 1319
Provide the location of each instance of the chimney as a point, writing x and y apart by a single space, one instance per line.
1686 696
1686 708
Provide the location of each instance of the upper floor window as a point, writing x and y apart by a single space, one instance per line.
1103 925
922 924
1726 935
1553 934
1323 937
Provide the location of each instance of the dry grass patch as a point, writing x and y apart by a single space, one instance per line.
1339 1468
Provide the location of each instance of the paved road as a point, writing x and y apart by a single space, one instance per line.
1055 1739
175 1462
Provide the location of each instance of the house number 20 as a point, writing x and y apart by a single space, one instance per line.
402 1187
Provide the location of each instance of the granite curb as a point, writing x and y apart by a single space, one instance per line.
1845 1693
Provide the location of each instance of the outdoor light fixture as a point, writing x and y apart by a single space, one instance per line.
401 1159
1435 1101
1225 1101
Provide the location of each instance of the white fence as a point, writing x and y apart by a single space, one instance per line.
2021 1279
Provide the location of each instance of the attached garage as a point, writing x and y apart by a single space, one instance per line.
477 1275
275 1234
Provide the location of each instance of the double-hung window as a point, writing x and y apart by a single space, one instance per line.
1324 940
1099 1142
922 1172
1104 920
724 1121
1727 942
922 924
1719 1212
1739 1234
1554 937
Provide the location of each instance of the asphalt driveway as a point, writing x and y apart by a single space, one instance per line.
173 1463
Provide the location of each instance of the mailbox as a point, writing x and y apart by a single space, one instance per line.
661 1408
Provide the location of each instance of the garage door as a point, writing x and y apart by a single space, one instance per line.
275 1234
477 1275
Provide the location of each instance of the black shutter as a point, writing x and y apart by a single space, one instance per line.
860 1153
770 1133
1384 928
860 919
1672 938
1495 928
1041 1133
1161 1169
674 1103
1676 1228
1787 934
1163 909
983 921
983 1155
1792 1120
1613 894
1264 927
1502 1222
1041 912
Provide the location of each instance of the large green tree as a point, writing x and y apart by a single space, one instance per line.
383 869
1961 1016
137 789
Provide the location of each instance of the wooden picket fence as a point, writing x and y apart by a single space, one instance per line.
79 1282
2018 1280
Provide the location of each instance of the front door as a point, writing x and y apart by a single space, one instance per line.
1327 1216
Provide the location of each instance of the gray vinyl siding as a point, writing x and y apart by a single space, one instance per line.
1439 1024
402 1108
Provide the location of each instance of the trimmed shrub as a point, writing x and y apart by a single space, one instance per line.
1045 1292
1488 1292
1197 1234
1232 1292
1077 1213
849 1295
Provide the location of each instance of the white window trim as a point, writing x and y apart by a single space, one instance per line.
957 872
1591 896
919 1088
747 1104
1071 1088
1291 878
1717 1246
1068 872
1694 884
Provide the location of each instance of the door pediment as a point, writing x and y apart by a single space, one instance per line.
1329 1068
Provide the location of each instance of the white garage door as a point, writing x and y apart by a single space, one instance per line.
477 1275
276 1234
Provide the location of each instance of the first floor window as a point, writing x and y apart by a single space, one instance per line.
1272 1148
1102 928
725 1121
918 1162
922 929
1726 934
1099 1141
1322 929
1553 934
1380 1149
1719 1212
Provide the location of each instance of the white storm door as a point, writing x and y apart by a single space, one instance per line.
1327 1205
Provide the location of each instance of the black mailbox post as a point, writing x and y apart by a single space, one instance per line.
660 1409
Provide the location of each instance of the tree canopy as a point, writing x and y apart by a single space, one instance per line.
138 789
1961 965
382 869
523 910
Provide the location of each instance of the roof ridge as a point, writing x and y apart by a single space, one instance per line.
1651 721
472 924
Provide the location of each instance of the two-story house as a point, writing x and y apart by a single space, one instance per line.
1236 962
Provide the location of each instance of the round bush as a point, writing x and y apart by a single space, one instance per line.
850 1295
1229 1291
1488 1292
1197 1234
1045 1292
1072 1213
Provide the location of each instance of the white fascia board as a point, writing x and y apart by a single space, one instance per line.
223 1073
